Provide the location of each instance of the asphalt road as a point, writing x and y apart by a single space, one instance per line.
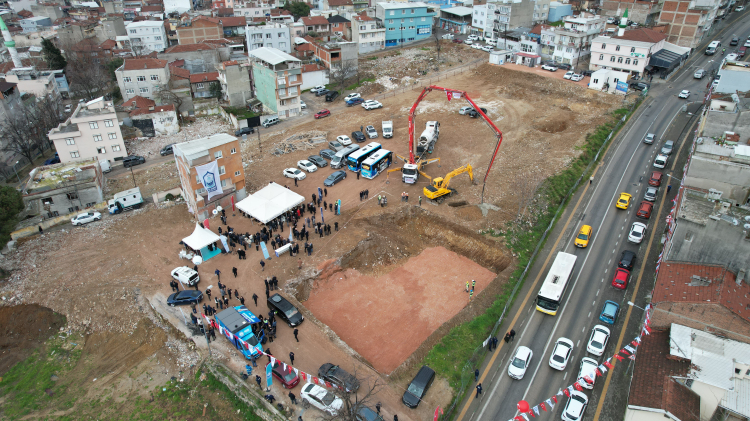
626 169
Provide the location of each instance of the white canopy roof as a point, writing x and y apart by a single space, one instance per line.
200 238
270 202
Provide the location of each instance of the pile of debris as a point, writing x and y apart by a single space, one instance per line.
299 142
202 127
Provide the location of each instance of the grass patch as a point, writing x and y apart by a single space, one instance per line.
449 356
558 23
240 113
357 85
425 49
372 58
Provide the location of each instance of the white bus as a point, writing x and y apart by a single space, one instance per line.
553 288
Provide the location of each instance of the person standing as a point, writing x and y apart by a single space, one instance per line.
255 299
234 271
291 358
218 274
377 407
507 337
296 331
336 224
299 264
512 335
262 266
242 300
420 200
291 395
257 378
479 390
325 191
358 179
476 374
295 182
473 284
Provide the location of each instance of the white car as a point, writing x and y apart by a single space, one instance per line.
319 397
684 94
549 67
294 173
488 48
576 77
352 96
637 232
561 354
344 140
473 37
569 74
575 407
369 101
306 165
649 139
372 105
317 89
476 46
302 104
747 44
448 36
85 218
598 341
465 110
732 57
588 368
468 42
371 132
739 8
520 362
68 108
186 275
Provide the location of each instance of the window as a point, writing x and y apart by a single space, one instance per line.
156 30
233 151
635 62
126 79
268 36
601 57
70 141
112 135
218 155
292 78
141 78
617 48
108 123
155 77
222 170
411 19
612 59
130 91
280 35
282 45
48 201
293 91
97 138
101 150
627 61
133 31
157 38
144 90
93 125
619 59
115 148
391 29
72 195
390 20
199 86
596 81
391 13
224 183
604 46
236 173
632 49
412 11
200 191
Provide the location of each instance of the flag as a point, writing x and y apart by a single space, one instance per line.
450 97
526 417
532 414
608 364
544 407
559 393
602 368
550 403
554 398
598 373
630 349
577 386
624 351
209 176
328 384
303 375
284 365
273 360
456 95
647 330
315 380
536 409
436 413
635 342
588 379
567 392
619 357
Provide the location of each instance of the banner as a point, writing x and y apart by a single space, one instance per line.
208 175
269 369
265 250
338 208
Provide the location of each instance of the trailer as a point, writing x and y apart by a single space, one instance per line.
125 200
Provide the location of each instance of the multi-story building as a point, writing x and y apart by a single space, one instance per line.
110 28
340 26
317 24
367 33
340 5
235 82
643 12
177 6
199 29
75 32
225 150
273 35
51 10
147 36
689 20
33 24
482 21
405 22
277 78
10 99
32 81
456 19
252 9
64 188
629 52
335 55
200 84
571 42
512 14
91 131
141 76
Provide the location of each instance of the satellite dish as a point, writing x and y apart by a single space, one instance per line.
218 208
214 212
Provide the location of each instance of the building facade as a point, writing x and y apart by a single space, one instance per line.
32 24
689 21
624 55
271 36
147 36
235 82
367 33
405 22
141 76
63 188
277 78
573 41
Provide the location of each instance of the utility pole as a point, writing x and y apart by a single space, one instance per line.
133 175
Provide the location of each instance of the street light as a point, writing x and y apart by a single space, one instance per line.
671 176
632 304
14 169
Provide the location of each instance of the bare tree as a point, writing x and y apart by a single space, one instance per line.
49 115
19 134
438 45
343 70
355 401
87 77
164 95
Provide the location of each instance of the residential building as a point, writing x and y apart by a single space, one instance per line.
32 81
728 120
198 58
273 35
457 20
541 11
557 11
340 26
235 82
571 42
367 33
521 41
334 55
643 12
251 10
33 24
199 29
277 78
689 21
141 76
340 5
177 6
317 24
405 22
91 132
156 120
10 99
628 53
494 20
200 84
64 188
110 28
734 76
50 10
482 22
75 32
233 26
225 150
147 36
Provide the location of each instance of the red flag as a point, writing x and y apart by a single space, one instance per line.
205 222
315 380
634 343
566 392
624 351
303 375
588 379
232 203
532 414
436 413
328 384
544 407
577 386
647 329
619 357
554 398
599 373
609 366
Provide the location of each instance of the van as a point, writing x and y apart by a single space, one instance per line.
339 160
418 387
712 47
133 160
270 122
330 96
104 164
661 161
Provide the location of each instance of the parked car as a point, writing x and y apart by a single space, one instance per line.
318 160
418 387
651 193
327 154
474 114
623 202
655 179
354 101
488 48
661 161
644 210
321 114
335 145
473 37
649 139
344 140
549 67
167 150
639 86
685 94
306 165
520 362
564 66
285 310
372 105
322 92
741 52
627 259
330 96
666 149
587 72
358 136
338 376
609 313
739 9
468 42
132 161
317 89
598 340
302 104
561 354
319 397
576 77
186 297
68 108
294 173
284 375
85 218
569 74
352 96
186 275
465 109
457 41
575 407
637 232
334 178
244 130
588 370
448 36
365 413
583 237
371 132
620 280
270 122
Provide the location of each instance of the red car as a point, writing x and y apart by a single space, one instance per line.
287 377
457 41
322 113
644 210
620 281
741 52
655 179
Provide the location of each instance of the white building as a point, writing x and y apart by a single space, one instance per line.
141 77
571 42
274 35
367 34
629 52
605 80
482 23
148 35
177 6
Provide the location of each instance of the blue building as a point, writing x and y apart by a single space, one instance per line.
558 10
405 22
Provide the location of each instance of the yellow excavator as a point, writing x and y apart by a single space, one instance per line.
439 188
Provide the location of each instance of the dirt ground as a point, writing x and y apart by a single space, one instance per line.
23 329
104 277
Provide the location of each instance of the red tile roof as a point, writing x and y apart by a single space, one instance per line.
204 77
643 35
144 63
652 385
336 3
230 63
108 44
152 9
538 29
157 109
362 18
139 102
179 73
233 21
25 14
315 20
206 18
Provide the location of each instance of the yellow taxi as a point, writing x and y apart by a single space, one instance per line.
624 201
584 235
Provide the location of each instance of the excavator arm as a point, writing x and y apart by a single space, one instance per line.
458 171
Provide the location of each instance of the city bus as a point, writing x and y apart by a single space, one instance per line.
376 163
550 295
356 159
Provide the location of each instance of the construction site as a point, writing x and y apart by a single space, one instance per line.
377 293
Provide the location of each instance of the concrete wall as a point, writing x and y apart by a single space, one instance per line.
521 14
161 196
716 242
718 122
710 397
640 415
311 79
47 223
265 87
238 85
165 122
730 178
559 11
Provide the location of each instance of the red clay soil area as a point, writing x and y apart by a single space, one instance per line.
385 318
24 328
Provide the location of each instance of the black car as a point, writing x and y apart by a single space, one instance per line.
338 376
322 92
564 66
734 41
133 160
587 72
367 414
244 130
327 153
186 297
285 310
358 136
627 260
334 178
331 95
318 160
640 86
167 150
418 387
475 114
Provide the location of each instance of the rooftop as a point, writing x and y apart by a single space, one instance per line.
204 77
314 20
338 18
271 55
399 5
198 148
337 3
143 63
57 176
145 24
643 35
233 21
185 48
148 110
459 11
139 102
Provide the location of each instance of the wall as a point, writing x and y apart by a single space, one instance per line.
716 242
210 57
206 107
264 80
710 398
728 177
559 11
199 31
161 196
87 193
637 11
48 223
718 122
311 79
638 415
238 85
165 122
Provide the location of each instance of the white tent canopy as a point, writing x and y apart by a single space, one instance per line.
270 202
200 238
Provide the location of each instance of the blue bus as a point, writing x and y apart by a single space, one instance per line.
245 325
376 163
356 159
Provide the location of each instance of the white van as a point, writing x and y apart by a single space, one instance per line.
661 161
270 122
339 160
104 164
712 47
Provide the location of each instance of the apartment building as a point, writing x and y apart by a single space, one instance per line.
367 33
141 76
277 78
199 29
317 24
92 131
340 26
689 21
335 54
147 36
405 22
629 52
33 24
235 82
32 81
571 42
273 35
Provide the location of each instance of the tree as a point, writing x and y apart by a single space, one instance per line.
52 55
298 9
87 76
343 70
164 96
10 205
215 89
25 130
438 45
354 401
113 65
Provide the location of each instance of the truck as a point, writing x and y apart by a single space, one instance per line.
428 138
125 201
387 129
104 164
242 323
